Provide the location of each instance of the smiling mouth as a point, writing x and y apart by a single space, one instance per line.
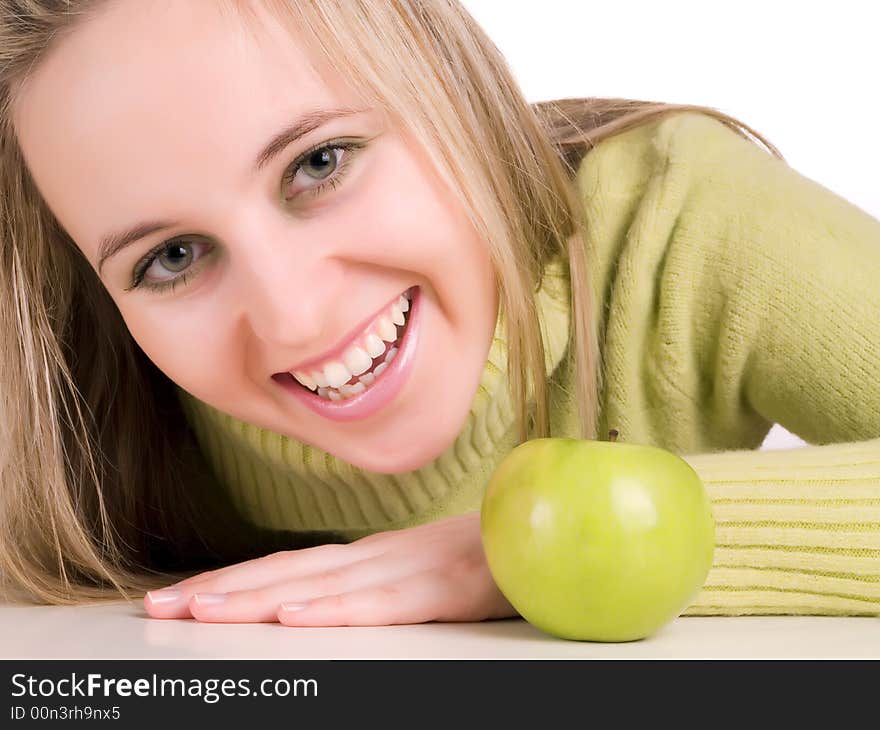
357 384
327 383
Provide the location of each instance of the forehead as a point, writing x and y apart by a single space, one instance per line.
147 45
151 89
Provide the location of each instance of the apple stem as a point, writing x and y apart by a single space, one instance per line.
612 435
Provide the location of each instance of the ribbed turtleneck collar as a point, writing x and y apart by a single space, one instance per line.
277 482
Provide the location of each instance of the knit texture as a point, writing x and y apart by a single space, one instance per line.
732 293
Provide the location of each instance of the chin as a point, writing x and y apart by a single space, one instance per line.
422 449
396 462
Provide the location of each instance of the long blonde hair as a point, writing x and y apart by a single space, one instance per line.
99 472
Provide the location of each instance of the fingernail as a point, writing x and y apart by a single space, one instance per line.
293 606
166 595
209 598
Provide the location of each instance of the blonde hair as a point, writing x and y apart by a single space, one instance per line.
99 471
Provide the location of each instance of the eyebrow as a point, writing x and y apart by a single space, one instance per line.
113 243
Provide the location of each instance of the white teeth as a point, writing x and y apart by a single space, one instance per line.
374 345
357 360
349 391
397 314
336 374
387 330
305 380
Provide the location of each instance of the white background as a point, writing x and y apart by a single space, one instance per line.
804 75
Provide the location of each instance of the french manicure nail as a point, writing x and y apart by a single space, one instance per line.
293 606
209 598
166 595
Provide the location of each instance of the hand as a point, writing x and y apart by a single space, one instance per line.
432 572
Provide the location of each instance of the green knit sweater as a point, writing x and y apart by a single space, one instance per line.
734 294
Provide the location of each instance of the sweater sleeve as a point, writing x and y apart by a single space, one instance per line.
789 326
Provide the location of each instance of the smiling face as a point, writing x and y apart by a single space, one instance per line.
159 112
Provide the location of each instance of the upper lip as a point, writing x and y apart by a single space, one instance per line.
338 351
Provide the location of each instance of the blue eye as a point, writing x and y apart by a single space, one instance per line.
326 160
316 158
159 254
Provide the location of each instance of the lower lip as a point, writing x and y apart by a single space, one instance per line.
381 391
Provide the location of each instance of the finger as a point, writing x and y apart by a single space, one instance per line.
173 601
261 604
282 564
411 600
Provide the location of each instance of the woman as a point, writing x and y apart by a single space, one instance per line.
220 219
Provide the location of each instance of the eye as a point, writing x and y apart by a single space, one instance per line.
173 256
321 164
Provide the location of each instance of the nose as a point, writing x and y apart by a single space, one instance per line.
284 295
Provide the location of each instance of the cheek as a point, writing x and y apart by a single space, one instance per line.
191 349
398 215
413 223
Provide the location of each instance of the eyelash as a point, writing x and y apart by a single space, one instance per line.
290 173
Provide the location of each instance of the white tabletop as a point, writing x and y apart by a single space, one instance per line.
125 631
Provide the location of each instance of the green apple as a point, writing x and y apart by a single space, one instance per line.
597 540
